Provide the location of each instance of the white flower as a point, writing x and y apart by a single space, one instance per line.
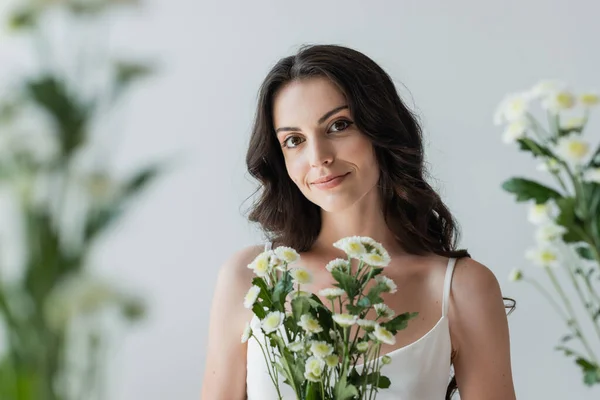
345 320
390 284
301 276
572 148
296 346
512 107
591 175
559 100
549 232
543 256
320 349
338 263
367 324
332 360
362 346
515 275
247 333
272 321
251 296
314 369
287 254
385 360
573 123
331 293
549 165
261 264
589 99
517 129
383 335
310 324
384 311
546 87
376 260
542 213
352 246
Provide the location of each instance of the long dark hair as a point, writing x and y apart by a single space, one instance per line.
414 212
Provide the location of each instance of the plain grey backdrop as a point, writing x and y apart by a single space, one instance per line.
453 61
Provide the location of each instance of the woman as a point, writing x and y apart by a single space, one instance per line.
338 154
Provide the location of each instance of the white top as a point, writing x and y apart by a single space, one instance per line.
419 371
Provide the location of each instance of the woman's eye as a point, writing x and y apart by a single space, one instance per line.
292 142
340 125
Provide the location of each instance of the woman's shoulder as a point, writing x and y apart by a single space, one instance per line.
235 268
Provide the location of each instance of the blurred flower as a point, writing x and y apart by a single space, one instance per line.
287 254
384 336
546 87
313 369
332 360
362 346
390 284
549 232
309 324
385 360
260 265
549 165
517 129
320 349
558 101
251 296
301 276
591 175
352 246
247 333
367 324
338 263
345 320
296 346
572 149
512 108
573 123
589 99
331 293
543 256
384 311
542 213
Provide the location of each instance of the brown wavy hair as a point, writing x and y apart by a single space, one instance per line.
414 212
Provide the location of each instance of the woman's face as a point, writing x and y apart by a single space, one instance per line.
320 141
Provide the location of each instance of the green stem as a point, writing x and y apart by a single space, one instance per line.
548 297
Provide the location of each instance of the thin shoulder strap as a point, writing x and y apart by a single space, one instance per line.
447 285
268 245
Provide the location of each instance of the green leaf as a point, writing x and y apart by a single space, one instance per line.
343 390
591 377
526 190
400 322
265 294
568 219
377 380
300 306
347 282
127 72
283 287
585 253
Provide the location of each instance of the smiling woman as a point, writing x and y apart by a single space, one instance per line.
337 153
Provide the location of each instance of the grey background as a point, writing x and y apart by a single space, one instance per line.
453 61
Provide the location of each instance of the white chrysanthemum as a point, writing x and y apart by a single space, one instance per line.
345 320
332 360
296 346
559 100
375 247
367 324
384 336
512 108
301 276
384 311
362 346
247 333
310 324
261 264
251 296
573 123
313 369
352 246
543 256
549 165
331 293
389 283
591 175
546 87
272 321
515 275
542 213
287 254
550 232
376 259
516 130
385 360
589 99
573 149
338 263
320 349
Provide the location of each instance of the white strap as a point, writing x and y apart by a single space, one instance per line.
268 245
447 285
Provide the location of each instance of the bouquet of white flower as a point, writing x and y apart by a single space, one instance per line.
316 348
568 218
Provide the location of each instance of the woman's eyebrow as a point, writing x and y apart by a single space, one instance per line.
321 120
